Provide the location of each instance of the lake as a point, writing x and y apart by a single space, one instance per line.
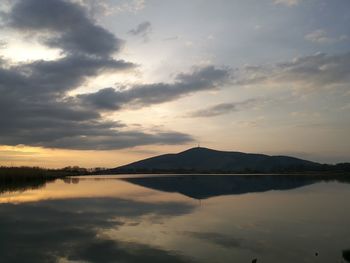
184 218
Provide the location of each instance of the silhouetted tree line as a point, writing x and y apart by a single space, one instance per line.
23 173
24 178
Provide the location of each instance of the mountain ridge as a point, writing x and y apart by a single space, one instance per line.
205 160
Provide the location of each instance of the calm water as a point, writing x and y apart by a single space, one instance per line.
176 219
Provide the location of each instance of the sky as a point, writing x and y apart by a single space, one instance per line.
104 83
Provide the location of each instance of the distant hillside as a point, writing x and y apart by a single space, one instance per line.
203 160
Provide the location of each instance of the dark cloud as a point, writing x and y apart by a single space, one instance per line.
223 108
143 30
67 24
58 76
108 139
36 111
216 110
35 106
309 72
56 123
206 78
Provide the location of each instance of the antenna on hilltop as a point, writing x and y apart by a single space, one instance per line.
199 145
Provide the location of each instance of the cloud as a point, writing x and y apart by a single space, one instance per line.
35 106
109 7
288 2
36 111
48 120
3 44
205 78
131 6
109 140
223 108
320 36
305 73
143 30
42 78
67 24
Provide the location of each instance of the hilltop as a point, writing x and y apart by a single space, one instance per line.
204 160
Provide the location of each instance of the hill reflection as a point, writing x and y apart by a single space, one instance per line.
206 186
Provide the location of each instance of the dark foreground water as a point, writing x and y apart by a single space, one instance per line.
167 219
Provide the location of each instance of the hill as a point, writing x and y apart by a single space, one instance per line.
204 160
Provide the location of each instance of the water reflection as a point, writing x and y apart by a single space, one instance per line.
206 186
23 185
71 180
159 219
71 229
